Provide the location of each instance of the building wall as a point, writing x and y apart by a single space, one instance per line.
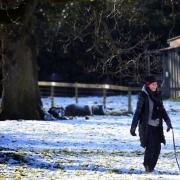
171 60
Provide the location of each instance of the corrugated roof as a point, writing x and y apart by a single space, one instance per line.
174 43
169 48
174 38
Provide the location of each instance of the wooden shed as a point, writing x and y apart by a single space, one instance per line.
171 63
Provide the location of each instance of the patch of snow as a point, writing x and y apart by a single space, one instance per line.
100 147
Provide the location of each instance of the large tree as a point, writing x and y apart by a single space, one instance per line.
20 96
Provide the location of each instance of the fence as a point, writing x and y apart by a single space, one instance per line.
77 86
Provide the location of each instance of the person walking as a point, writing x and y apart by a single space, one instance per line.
149 116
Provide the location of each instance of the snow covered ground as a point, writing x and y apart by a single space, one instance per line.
97 147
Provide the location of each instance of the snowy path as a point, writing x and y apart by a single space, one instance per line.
97 148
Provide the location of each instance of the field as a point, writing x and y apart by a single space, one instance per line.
93 147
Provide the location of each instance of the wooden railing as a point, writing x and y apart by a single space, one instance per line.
77 86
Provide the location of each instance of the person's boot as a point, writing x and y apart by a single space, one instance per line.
148 169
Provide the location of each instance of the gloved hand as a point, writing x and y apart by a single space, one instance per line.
164 142
132 131
169 127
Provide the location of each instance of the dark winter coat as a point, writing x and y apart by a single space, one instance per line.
140 118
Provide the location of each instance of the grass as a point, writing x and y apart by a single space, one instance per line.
119 113
84 164
56 163
47 152
115 171
13 157
79 173
174 99
126 153
58 166
174 110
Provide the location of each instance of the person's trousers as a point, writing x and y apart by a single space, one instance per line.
153 147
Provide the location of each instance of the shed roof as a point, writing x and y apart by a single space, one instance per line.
169 48
174 38
173 43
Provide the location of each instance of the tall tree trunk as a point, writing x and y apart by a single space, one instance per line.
20 97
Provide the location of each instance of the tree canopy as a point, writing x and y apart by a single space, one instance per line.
105 39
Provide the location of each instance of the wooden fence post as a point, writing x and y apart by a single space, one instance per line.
76 94
52 96
103 87
104 98
129 102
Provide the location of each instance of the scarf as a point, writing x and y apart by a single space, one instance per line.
157 101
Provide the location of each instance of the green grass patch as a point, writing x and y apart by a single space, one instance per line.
126 153
79 173
115 171
119 113
15 156
174 110
174 99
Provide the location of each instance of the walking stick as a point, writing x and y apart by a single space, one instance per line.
175 153
174 144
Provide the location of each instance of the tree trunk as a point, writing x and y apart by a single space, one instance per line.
20 97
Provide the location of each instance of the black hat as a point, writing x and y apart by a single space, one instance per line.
150 79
